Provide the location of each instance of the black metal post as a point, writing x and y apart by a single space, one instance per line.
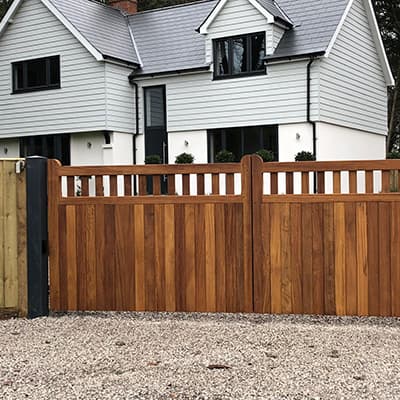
36 193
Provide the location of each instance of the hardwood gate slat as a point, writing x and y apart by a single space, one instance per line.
190 265
385 295
373 258
140 283
329 260
307 255
276 263
169 235
318 259
210 248
351 259
340 258
362 259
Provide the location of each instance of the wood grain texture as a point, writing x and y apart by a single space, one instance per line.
249 252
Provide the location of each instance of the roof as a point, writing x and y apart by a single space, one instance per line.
103 26
315 23
166 38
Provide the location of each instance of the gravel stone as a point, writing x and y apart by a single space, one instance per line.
168 356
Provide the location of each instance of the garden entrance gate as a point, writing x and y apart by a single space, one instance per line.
309 237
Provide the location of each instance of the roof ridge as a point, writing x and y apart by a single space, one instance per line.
105 5
192 3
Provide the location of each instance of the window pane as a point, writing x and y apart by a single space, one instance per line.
239 51
222 65
18 76
155 116
252 139
36 73
54 70
234 142
257 52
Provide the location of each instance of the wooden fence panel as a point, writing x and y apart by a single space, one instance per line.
13 267
328 245
150 252
334 254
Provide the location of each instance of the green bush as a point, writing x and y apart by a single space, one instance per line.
305 156
224 156
266 155
184 158
394 155
152 159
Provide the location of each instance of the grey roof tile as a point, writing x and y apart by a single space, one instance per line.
103 26
315 22
166 38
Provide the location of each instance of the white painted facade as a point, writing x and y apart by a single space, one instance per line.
348 93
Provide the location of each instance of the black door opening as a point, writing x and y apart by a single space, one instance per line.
155 134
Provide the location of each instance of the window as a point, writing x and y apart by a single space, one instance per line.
39 74
239 56
241 141
50 146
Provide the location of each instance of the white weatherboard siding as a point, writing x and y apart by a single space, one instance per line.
353 89
120 97
78 106
196 102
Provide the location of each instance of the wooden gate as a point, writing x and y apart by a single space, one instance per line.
304 238
336 251
13 268
187 250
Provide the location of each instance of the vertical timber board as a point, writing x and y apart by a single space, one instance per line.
395 258
13 261
362 259
351 259
385 291
10 236
54 196
340 258
2 237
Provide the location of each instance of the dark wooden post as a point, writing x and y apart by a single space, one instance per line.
37 248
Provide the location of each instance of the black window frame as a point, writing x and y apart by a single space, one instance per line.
25 63
230 40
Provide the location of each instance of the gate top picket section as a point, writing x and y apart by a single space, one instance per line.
365 177
228 179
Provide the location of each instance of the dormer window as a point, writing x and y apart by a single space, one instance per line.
37 74
239 56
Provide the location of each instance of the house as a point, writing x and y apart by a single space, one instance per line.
95 84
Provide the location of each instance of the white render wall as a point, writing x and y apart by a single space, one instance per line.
353 88
78 106
90 149
9 148
196 145
340 143
293 138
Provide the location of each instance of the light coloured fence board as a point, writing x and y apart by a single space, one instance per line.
13 262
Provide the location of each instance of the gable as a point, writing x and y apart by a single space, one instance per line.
227 10
360 25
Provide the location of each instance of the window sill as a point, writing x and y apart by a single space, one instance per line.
36 89
245 75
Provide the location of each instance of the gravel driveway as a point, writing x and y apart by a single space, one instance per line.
189 356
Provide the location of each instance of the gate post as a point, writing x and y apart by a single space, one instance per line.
37 248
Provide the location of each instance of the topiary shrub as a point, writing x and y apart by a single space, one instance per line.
224 156
266 155
152 159
394 155
305 156
184 158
